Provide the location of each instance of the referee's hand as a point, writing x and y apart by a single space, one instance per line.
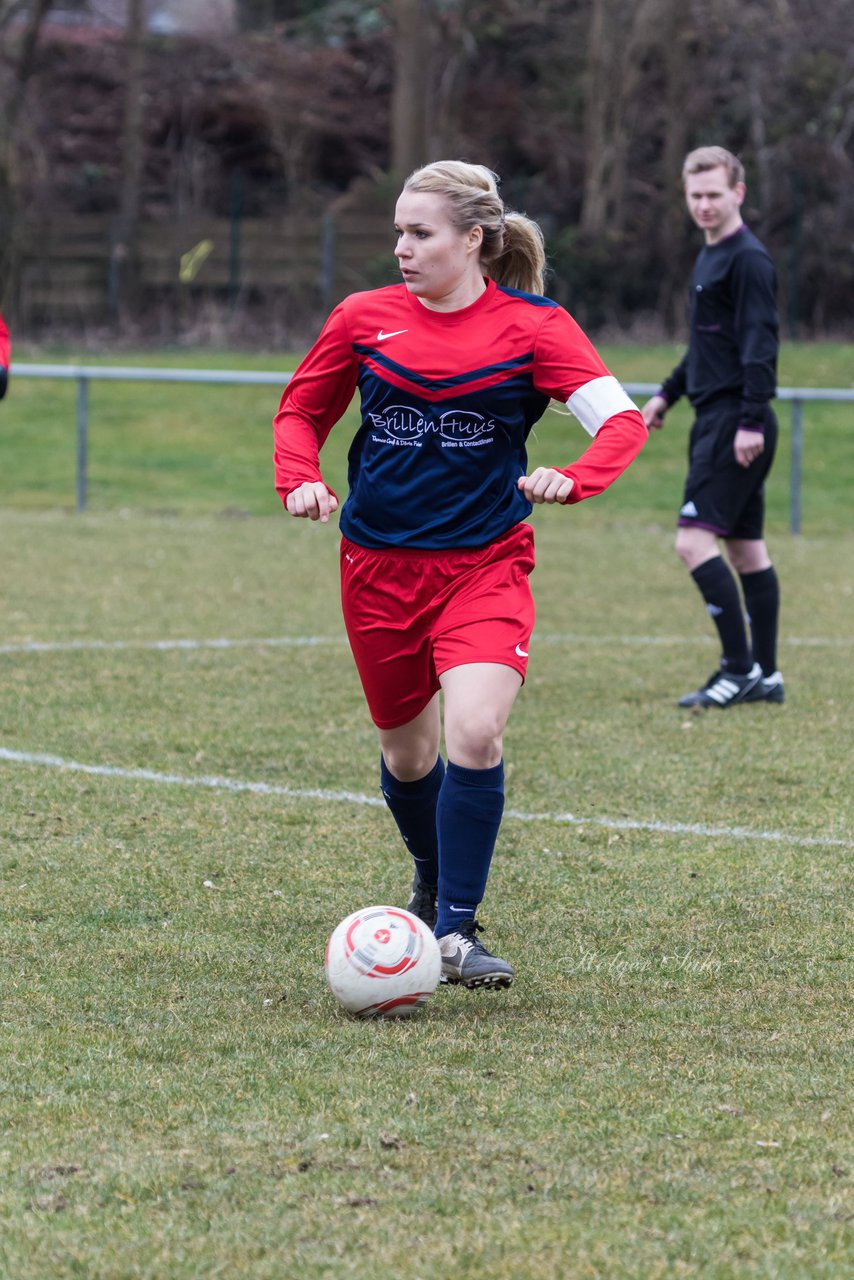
653 412
748 446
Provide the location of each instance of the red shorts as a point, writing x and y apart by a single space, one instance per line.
412 615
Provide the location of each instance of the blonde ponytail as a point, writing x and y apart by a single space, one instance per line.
522 261
513 253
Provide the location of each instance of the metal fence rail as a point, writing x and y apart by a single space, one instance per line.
84 374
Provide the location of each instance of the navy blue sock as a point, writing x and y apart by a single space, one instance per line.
762 597
471 804
413 807
719 589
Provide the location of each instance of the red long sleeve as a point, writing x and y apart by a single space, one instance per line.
617 443
315 398
5 345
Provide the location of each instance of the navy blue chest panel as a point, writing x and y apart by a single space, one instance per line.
438 386
441 472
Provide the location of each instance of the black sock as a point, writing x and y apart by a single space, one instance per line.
719 589
413 807
762 598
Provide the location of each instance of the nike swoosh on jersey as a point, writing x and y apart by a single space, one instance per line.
523 653
381 336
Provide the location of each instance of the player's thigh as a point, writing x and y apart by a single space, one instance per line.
479 697
718 492
410 750
488 616
748 555
390 635
745 544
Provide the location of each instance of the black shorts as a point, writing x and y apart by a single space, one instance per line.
719 494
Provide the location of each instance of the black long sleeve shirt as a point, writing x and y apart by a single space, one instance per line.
734 329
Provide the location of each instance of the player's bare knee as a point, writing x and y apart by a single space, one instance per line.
409 766
748 555
695 546
683 548
409 762
476 741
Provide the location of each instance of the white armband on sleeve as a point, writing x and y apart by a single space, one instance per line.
597 401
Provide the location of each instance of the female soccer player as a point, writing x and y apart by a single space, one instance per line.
453 366
5 356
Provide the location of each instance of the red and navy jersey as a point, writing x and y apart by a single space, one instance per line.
447 401
5 355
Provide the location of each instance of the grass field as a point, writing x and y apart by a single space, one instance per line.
189 803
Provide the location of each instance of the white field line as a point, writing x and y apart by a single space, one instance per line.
270 642
178 780
214 783
302 642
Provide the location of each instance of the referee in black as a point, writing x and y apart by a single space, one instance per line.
729 374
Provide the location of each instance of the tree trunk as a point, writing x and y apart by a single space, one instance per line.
677 71
410 101
618 37
596 103
759 140
10 109
124 258
255 15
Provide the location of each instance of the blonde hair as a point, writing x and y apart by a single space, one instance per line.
513 252
705 158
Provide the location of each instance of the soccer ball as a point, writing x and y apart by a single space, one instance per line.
382 962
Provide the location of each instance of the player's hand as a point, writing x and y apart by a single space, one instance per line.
546 485
748 446
311 501
653 412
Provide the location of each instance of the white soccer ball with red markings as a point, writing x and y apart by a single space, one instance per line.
382 962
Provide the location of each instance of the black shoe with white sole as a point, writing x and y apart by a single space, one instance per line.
769 689
466 961
422 903
724 689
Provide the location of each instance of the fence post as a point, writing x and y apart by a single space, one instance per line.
82 440
797 455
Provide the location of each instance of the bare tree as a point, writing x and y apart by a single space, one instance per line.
676 67
612 74
255 15
410 102
20 63
124 257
